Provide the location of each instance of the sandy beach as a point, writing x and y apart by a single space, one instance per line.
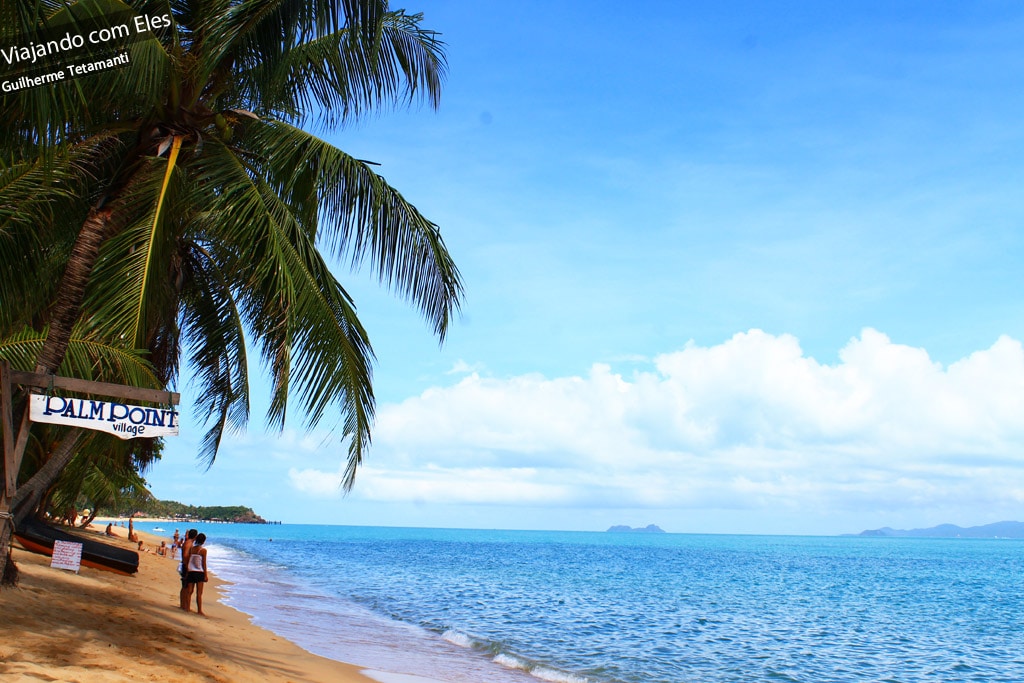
102 627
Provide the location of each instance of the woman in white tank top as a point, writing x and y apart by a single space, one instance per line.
196 574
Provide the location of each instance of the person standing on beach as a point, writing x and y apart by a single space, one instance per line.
185 596
197 574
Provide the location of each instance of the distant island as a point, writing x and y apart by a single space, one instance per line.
995 530
649 529
171 509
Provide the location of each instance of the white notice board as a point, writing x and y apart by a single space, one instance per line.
66 555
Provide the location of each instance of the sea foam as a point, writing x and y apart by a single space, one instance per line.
546 674
511 662
458 638
541 672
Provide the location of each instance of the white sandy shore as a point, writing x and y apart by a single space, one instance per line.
100 627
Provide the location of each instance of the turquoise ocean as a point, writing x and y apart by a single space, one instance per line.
469 606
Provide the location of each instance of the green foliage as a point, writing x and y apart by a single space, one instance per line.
214 205
172 509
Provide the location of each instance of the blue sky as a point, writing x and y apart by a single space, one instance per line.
730 268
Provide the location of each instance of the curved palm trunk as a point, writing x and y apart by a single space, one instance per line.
67 307
72 289
31 493
62 320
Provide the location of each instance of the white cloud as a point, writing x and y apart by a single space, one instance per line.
750 423
461 367
316 483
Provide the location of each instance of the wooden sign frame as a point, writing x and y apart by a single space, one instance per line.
44 381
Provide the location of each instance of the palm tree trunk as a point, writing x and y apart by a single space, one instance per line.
72 289
68 305
30 494
64 314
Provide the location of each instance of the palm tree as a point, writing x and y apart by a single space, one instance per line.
90 356
178 208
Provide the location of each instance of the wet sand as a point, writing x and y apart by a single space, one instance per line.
100 627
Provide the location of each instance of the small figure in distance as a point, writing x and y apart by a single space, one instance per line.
197 574
162 550
110 529
186 547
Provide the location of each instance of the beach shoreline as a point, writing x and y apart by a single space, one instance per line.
98 626
156 520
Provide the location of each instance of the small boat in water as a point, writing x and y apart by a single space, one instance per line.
156 528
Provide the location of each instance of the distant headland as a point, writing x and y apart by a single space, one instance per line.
995 530
649 529
173 510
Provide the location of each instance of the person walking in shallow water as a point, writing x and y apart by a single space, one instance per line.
197 574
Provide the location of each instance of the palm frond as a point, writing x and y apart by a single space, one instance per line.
341 75
104 473
220 365
363 218
126 284
205 216
89 357
310 337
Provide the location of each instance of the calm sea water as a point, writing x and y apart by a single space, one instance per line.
465 606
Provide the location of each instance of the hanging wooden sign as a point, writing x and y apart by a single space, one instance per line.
120 419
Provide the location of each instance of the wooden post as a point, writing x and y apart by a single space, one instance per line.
7 420
8 572
43 381
12 462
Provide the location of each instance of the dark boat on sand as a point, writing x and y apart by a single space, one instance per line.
39 537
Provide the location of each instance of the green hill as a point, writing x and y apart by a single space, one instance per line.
169 508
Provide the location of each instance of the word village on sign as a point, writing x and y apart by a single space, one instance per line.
121 420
